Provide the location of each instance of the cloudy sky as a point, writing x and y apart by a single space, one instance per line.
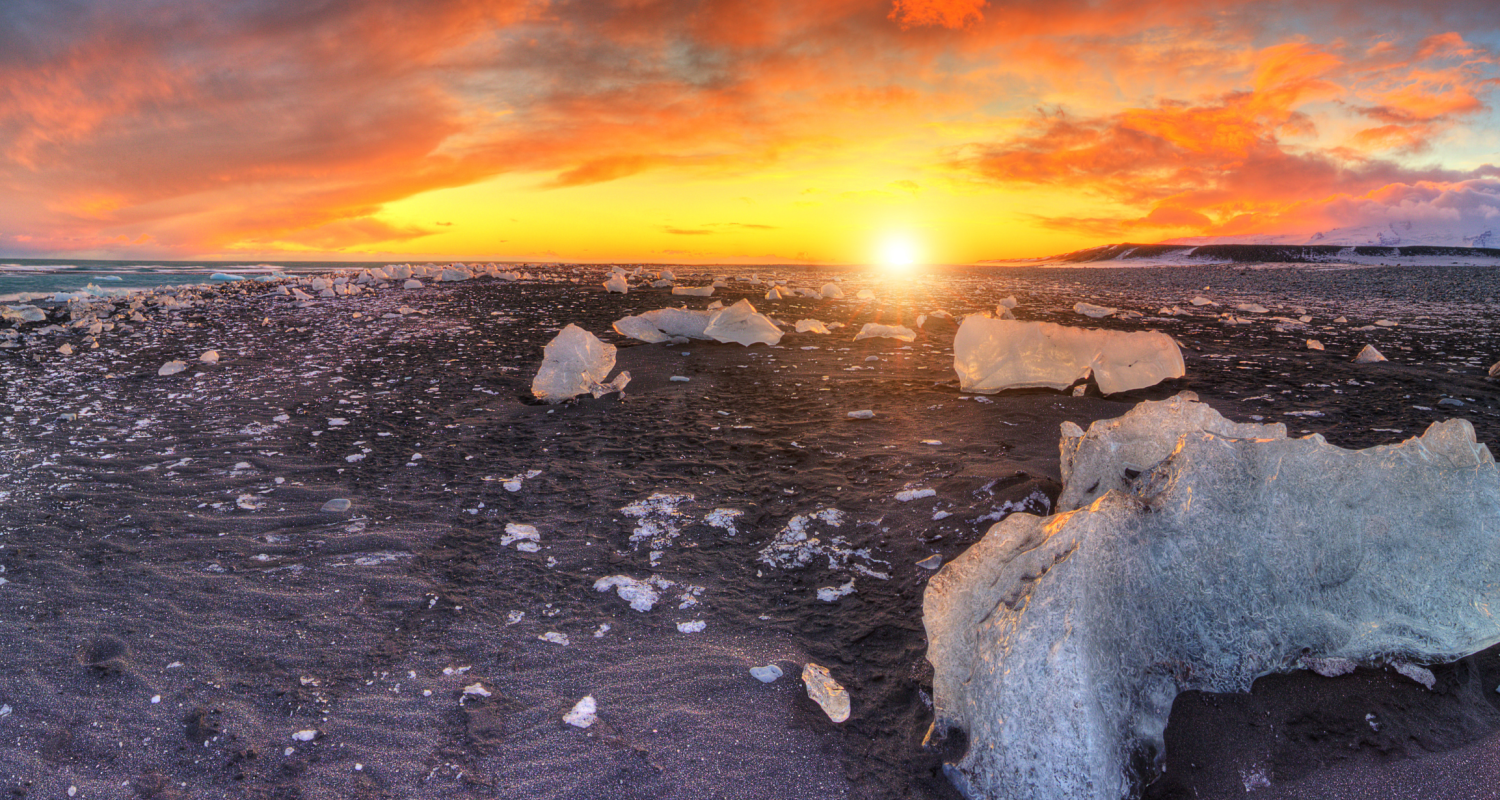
731 130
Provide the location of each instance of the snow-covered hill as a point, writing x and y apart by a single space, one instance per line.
1394 234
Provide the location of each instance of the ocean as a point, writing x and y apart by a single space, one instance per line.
23 279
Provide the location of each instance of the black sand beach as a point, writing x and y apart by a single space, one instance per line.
176 606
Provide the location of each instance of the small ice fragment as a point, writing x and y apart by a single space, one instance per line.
1330 667
696 626
1385 323
767 674
1369 355
516 532
931 562
829 594
1314 344
6 710
1200 300
554 637
865 414
337 506
826 692
354 458
585 713
1452 402
476 688
1251 308
940 515
1417 673
679 379
512 485
65 349
1091 310
171 368
249 502
513 617
933 442
210 357
603 629
305 735
639 594
907 495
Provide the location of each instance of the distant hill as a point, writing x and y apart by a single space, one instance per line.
1408 233
1395 243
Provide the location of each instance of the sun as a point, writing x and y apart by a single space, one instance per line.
897 253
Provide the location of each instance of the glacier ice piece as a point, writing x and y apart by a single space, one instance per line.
1251 308
638 327
742 324
865 294
641 595
991 355
694 291
617 283
767 674
1059 643
1314 344
873 330
585 713
776 293
826 692
1091 310
1369 355
812 326
1113 452
1008 302
575 362
210 357
680 322
1200 300
831 291
172 367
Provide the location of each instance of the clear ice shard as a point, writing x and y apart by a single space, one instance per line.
873 330
991 355
575 362
826 692
1059 643
742 324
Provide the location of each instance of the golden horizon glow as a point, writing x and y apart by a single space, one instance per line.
726 131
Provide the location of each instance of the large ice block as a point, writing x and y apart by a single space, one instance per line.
1059 643
575 362
991 355
742 324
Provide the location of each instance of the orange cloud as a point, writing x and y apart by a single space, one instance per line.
944 13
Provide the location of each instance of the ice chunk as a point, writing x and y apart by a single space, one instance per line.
872 330
694 291
668 275
451 275
65 349
776 293
811 326
337 505
20 314
742 324
830 594
172 367
617 283
1251 308
585 713
575 362
907 495
516 532
413 283
680 322
826 692
696 626
831 291
1200 300
865 294
862 414
767 674
1091 310
1059 644
992 355
641 595
1114 452
210 357
1369 355
1314 344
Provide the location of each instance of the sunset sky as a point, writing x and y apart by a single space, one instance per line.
730 130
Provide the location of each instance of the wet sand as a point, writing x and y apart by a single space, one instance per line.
168 543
